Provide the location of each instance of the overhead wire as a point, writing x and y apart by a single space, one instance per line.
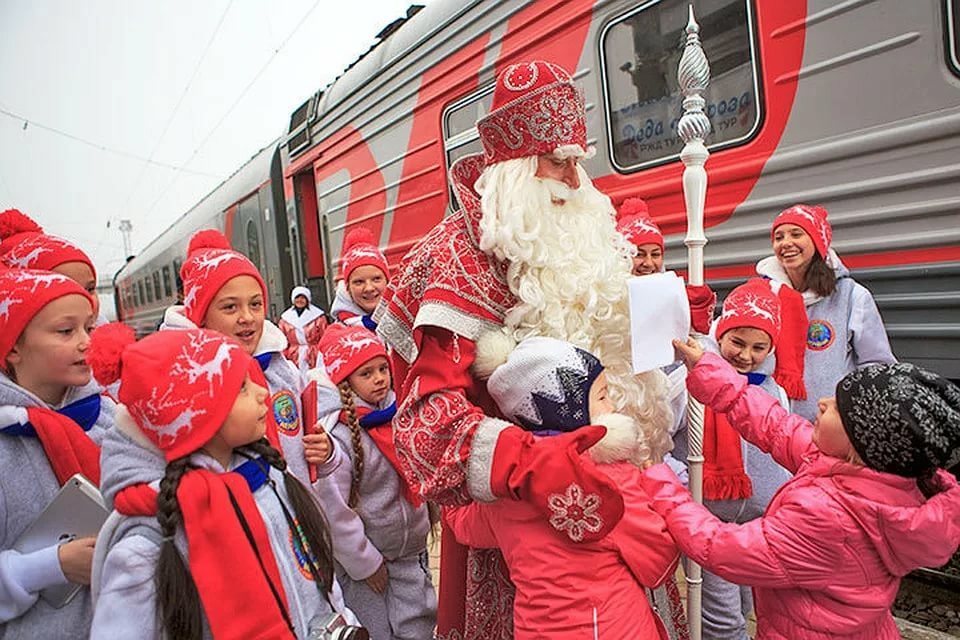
235 103
28 122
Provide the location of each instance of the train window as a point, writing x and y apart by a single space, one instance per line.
640 52
156 286
177 281
148 287
952 24
460 135
167 289
253 243
143 299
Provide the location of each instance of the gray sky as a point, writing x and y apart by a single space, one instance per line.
161 80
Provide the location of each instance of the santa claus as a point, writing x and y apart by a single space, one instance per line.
533 251
303 324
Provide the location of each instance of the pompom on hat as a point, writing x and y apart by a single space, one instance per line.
347 348
779 311
813 220
24 245
636 225
210 264
23 293
901 419
536 110
178 386
543 384
360 250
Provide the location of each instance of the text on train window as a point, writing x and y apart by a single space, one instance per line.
640 53
952 24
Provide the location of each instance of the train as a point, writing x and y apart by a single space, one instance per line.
852 105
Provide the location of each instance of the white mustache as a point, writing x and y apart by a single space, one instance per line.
559 190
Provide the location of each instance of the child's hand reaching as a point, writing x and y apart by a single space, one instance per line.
690 351
317 447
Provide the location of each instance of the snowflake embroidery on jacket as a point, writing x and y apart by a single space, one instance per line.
574 512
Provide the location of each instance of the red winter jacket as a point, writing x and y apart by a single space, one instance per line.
577 591
826 559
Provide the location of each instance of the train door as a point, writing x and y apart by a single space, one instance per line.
313 238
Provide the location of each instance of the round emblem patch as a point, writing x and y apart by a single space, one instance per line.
300 553
285 412
820 335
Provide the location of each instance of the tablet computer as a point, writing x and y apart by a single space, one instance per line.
77 511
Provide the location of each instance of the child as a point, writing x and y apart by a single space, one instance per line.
224 542
24 245
739 479
866 506
302 324
363 278
567 588
52 419
845 330
390 590
224 292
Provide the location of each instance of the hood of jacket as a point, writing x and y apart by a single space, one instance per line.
127 457
895 516
14 399
343 302
770 267
271 340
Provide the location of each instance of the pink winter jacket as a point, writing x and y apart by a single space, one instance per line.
826 559
577 591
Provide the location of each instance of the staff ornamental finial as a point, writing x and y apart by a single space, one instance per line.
694 76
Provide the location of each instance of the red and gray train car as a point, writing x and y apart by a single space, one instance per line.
854 105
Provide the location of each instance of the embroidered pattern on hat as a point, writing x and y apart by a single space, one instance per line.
750 305
574 512
23 256
171 409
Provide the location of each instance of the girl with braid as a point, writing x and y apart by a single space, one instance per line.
389 584
218 540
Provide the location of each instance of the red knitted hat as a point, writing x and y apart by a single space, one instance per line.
636 225
536 109
23 293
753 304
779 311
360 250
345 349
24 245
210 264
813 220
178 386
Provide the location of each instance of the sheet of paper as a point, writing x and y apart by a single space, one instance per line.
659 312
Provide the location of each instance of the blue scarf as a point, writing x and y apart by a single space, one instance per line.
84 412
755 378
264 359
379 416
255 472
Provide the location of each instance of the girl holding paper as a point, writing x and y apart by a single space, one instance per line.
52 420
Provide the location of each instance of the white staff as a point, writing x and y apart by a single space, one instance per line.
694 75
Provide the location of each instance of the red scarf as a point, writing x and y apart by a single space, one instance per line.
382 436
68 447
723 474
791 344
235 592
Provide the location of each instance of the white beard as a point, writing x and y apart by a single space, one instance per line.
568 266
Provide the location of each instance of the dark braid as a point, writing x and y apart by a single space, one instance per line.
178 603
308 513
346 397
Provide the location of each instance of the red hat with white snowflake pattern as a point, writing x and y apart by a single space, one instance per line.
536 110
24 245
347 348
753 304
359 250
178 386
210 264
23 293
636 225
813 220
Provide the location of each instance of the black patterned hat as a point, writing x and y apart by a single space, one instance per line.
901 419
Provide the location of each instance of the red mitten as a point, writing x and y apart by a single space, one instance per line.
702 301
579 500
